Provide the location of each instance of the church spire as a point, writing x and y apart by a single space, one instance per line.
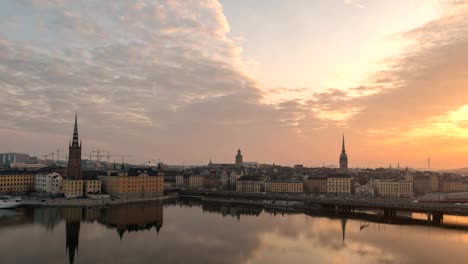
75 132
343 150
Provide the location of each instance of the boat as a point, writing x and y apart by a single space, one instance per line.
7 202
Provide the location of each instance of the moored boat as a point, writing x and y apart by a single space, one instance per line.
7 202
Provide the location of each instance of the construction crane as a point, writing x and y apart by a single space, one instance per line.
46 156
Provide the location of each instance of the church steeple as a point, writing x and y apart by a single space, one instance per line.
343 150
74 154
343 156
75 132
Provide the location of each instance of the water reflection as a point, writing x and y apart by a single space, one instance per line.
196 232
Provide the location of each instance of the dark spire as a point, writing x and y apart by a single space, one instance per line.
75 132
343 150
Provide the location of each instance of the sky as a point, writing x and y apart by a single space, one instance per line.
185 81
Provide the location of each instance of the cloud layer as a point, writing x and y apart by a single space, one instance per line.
162 79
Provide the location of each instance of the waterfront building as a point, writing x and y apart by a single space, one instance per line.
92 186
450 185
136 183
74 154
284 186
72 188
212 181
195 181
339 184
343 157
434 182
246 184
389 188
364 190
16 182
421 184
180 181
315 185
50 183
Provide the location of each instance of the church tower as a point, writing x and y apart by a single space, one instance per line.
239 159
74 155
343 157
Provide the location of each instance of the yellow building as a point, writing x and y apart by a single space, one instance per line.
72 188
139 185
252 186
339 185
315 185
92 186
284 186
16 182
394 188
195 181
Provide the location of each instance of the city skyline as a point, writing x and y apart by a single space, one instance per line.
186 82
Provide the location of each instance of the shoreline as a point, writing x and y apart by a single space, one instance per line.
90 202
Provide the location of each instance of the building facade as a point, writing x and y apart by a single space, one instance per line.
92 186
394 188
284 186
195 181
50 183
251 186
72 188
421 184
315 185
339 185
16 182
123 186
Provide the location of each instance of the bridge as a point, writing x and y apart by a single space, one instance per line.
434 211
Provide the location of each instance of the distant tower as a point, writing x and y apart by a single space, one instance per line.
343 157
239 160
74 154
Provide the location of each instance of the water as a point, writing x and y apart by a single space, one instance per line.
194 233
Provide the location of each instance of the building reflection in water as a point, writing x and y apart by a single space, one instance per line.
122 218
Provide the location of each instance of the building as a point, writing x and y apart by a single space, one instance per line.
450 185
50 183
180 181
315 185
250 185
434 182
228 180
343 157
72 188
74 154
92 186
16 182
212 181
133 184
421 184
284 186
339 184
364 190
394 188
8 158
195 181
239 158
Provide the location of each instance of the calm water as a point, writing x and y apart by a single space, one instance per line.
195 233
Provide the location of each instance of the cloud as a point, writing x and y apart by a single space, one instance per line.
163 79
